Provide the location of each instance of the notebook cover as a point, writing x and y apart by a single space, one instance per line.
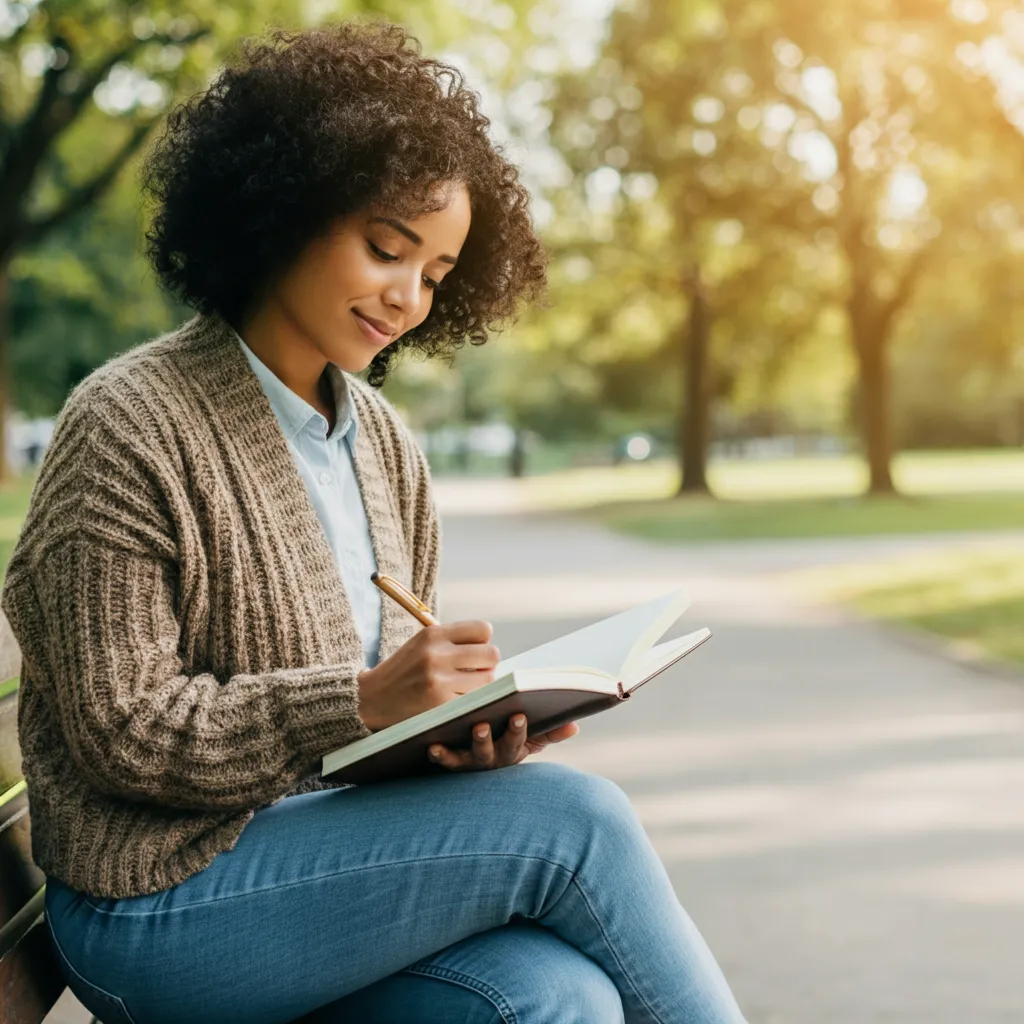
544 709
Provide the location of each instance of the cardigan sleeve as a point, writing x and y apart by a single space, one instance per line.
91 597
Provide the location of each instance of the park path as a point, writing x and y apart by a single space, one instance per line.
841 812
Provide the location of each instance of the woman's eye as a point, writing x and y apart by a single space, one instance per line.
431 283
380 253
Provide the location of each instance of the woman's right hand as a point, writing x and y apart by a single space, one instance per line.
430 668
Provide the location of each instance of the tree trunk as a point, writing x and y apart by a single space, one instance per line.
874 410
517 455
5 330
692 440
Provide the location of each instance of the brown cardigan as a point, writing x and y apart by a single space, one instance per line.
189 652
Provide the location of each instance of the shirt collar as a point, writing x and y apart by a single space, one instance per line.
293 412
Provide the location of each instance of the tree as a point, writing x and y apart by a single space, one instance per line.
901 105
659 128
894 118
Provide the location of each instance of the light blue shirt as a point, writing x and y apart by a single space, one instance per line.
326 467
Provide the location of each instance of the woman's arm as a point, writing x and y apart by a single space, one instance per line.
91 596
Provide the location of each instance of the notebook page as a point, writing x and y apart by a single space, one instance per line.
605 646
660 657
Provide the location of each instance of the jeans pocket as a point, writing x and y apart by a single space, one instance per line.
110 1009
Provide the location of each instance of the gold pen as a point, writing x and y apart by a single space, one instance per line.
405 597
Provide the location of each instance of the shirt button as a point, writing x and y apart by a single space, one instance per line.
325 478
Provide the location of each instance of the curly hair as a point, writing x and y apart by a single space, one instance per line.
304 128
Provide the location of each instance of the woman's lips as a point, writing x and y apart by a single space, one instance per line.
371 330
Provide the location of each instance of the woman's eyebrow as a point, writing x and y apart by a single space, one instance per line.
404 229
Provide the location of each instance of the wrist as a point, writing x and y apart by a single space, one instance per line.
370 718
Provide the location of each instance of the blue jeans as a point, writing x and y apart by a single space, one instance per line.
526 894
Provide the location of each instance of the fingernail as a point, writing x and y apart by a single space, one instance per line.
519 721
435 752
481 732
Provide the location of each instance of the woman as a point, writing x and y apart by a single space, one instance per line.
190 593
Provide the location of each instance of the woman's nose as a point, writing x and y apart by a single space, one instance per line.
403 293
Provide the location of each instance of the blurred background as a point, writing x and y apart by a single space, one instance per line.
782 358
786 244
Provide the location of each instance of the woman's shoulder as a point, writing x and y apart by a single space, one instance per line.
140 373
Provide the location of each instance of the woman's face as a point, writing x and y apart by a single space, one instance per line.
353 292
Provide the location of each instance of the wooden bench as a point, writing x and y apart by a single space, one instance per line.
30 978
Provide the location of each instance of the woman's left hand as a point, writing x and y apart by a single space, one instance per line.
512 748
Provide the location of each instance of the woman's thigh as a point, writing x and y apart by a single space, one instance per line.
520 973
329 892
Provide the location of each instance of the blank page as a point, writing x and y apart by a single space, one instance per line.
660 657
606 646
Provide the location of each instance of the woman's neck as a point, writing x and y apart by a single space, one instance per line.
287 351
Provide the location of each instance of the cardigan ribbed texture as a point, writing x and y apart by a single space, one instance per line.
188 648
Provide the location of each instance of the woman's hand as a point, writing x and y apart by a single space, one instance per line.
433 666
512 748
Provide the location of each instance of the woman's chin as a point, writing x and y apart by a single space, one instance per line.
356 362
355 355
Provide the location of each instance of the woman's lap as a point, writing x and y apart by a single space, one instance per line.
328 893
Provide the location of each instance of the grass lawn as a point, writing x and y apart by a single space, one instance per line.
14 497
806 497
706 519
974 599
916 473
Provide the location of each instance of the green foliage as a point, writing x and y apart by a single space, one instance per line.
833 172
811 159
79 297
81 291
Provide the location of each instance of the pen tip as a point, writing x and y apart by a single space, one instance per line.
373 576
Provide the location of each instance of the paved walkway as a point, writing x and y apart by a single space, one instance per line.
840 812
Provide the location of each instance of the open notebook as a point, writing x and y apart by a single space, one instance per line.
575 676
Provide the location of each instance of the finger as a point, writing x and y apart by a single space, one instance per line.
512 745
458 683
537 743
563 732
453 760
483 746
475 656
470 631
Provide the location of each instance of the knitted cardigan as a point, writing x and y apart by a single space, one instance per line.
188 649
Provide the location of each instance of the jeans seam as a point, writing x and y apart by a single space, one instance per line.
611 949
333 874
500 1003
116 1001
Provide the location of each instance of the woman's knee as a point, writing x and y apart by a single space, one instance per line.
520 973
577 795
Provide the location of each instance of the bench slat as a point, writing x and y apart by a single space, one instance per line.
30 980
20 879
10 656
10 755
